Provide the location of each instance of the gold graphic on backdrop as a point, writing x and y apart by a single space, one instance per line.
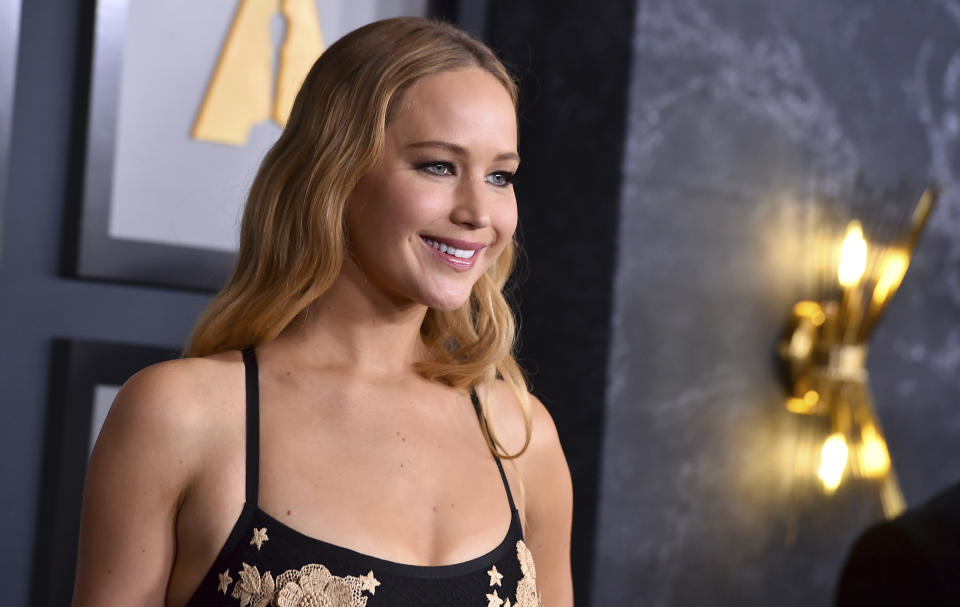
241 93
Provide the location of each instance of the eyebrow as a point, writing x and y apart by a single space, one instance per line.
458 149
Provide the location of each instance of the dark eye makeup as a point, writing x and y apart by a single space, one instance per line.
437 167
442 168
501 178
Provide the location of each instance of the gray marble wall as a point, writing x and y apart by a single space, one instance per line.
737 111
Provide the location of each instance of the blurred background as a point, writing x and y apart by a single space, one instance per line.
690 171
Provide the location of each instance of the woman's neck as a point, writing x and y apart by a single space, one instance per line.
354 325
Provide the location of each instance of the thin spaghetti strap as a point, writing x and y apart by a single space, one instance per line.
506 485
483 422
253 425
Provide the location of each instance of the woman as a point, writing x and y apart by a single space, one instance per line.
346 458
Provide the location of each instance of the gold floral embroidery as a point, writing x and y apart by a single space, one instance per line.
252 589
495 576
310 586
315 585
225 581
259 537
527 595
369 582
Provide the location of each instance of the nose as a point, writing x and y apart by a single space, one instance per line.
472 202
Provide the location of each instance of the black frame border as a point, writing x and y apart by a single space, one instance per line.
96 254
10 11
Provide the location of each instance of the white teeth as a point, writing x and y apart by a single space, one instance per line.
444 248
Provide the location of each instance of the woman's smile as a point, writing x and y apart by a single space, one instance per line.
458 254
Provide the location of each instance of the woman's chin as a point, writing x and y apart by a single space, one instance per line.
449 303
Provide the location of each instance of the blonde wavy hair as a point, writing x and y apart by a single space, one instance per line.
293 235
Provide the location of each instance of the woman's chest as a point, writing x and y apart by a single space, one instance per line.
402 494
397 491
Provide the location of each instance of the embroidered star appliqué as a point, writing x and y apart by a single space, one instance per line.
495 576
368 582
225 580
493 600
259 537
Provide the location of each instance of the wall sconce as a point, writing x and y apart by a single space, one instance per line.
824 354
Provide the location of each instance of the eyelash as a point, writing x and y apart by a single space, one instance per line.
508 176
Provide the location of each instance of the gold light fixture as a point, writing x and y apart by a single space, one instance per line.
824 352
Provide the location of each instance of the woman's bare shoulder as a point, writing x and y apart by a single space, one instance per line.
193 378
542 465
164 425
176 401
158 436
548 491
509 423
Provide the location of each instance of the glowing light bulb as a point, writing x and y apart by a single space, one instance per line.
833 461
853 255
874 457
894 268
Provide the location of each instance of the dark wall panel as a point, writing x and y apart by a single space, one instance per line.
573 68
37 304
738 113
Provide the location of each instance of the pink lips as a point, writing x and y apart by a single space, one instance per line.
458 263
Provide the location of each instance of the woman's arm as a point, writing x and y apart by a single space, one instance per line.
548 508
138 471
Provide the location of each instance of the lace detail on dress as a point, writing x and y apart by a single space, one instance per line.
224 581
252 589
527 595
495 576
259 537
315 585
311 586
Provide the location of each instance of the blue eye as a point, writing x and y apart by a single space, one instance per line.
437 167
501 178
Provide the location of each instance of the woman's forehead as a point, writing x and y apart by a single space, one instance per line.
466 107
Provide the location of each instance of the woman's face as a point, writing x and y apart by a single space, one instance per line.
439 208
